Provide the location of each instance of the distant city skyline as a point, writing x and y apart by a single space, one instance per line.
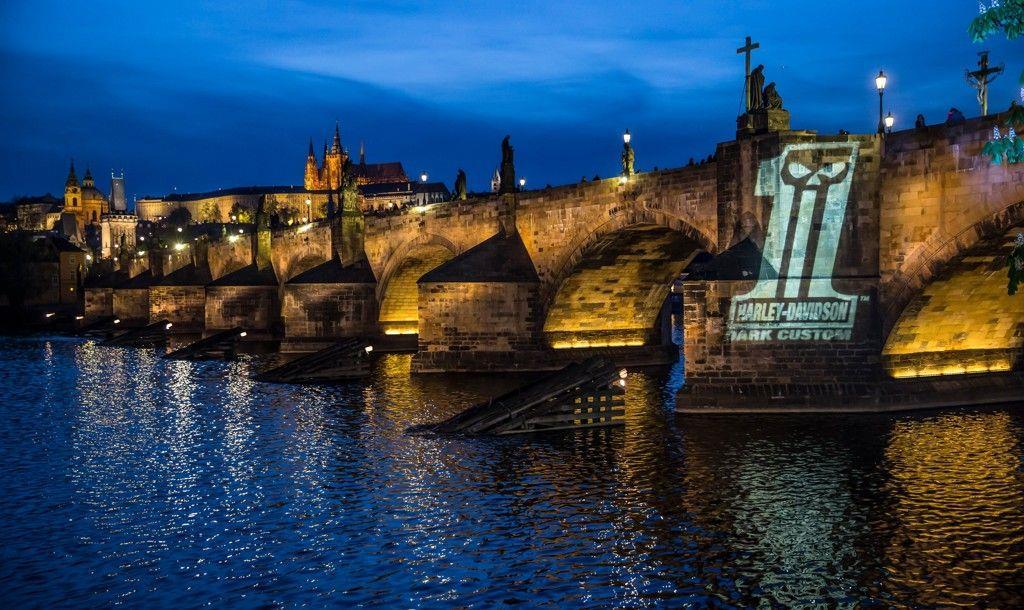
202 95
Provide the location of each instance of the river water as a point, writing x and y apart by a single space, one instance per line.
133 481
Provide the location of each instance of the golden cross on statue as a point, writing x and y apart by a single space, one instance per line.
746 49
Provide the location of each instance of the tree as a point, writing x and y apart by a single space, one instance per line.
1006 17
287 215
1015 262
209 212
241 213
1008 147
180 217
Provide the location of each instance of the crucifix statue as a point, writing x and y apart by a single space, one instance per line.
979 79
746 50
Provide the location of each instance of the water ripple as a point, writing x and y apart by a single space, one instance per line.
134 481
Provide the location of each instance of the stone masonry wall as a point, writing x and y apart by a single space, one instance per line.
253 308
742 213
478 317
936 189
131 305
458 226
326 311
720 366
557 225
184 306
964 320
99 303
719 372
298 249
225 256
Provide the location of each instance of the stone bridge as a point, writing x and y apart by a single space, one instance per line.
818 247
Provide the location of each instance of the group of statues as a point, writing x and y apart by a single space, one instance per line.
760 96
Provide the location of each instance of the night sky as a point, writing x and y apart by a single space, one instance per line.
199 95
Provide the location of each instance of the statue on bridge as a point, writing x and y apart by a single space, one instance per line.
508 168
460 186
770 97
755 92
1015 261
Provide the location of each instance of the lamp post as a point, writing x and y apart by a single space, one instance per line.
880 82
889 122
423 176
522 183
627 155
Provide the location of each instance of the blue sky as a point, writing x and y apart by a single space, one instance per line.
199 95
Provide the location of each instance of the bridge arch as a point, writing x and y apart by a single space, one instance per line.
397 291
962 320
634 217
903 288
615 292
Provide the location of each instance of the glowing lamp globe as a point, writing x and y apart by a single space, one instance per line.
626 137
889 121
881 80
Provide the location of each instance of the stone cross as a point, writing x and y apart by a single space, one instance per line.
746 49
979 79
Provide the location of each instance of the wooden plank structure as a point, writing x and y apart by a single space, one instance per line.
151 334
218 346
345 360
102 328
581 395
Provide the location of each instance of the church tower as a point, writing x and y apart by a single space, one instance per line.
72 191
312 177
334 160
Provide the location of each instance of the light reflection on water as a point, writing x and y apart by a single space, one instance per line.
138 481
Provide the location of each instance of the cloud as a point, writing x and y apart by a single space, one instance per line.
201 94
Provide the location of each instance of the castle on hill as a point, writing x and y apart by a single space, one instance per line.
382 186
326 175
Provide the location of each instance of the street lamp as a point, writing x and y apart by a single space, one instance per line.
627 155
880 82
423 177
522 183
889 122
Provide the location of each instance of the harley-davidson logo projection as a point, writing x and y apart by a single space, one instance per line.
810 184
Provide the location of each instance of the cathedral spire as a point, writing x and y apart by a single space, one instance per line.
72 178
311 153
362 153
336 145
